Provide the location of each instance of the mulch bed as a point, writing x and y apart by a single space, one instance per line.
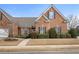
10 43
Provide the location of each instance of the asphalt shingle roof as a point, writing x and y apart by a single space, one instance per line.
24 21
6 14
20 21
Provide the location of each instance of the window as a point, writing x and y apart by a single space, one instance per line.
51 15
42 30
24 31
58 29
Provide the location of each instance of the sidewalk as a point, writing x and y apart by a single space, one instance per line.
24 42
41 48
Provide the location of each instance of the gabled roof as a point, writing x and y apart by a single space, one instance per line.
28 21
20 21
7 15
51 6
59 12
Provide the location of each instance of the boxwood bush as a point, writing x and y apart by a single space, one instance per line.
73 32
33 35
52 33
43 35
77 32
63 35
68 35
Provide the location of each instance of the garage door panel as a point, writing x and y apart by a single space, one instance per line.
4 32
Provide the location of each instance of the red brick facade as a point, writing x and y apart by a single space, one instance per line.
57 21
42 21
5 23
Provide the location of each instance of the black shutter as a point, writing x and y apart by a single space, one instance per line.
39 29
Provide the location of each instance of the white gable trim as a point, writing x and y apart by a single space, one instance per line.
48 9
45 17
47 20
43 13
59 12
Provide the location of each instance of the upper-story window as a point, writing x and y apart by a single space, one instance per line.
51 15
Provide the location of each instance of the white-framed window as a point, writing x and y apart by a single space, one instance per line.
58 29
24 31
42 30
51 15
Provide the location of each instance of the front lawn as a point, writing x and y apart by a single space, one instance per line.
54 42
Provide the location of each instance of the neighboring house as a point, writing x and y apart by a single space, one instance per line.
51 18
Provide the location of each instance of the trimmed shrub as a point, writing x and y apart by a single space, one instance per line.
21 36
62 35
43 35
73 32
68 35
52 33
58 35
33 35
77 32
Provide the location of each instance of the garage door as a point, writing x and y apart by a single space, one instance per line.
4 32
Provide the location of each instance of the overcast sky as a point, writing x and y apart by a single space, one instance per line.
34 10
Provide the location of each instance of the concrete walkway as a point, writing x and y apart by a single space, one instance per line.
24 42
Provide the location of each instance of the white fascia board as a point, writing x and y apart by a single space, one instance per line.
43 13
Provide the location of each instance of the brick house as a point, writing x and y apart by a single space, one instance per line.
14 26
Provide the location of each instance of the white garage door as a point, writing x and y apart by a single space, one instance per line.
4 32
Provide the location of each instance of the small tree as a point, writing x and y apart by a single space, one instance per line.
77 32
72 21
73 32
33 35
52 33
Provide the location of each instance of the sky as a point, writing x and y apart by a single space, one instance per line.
34 10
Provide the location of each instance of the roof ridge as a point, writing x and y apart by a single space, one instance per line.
6 14
59 12
52 6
